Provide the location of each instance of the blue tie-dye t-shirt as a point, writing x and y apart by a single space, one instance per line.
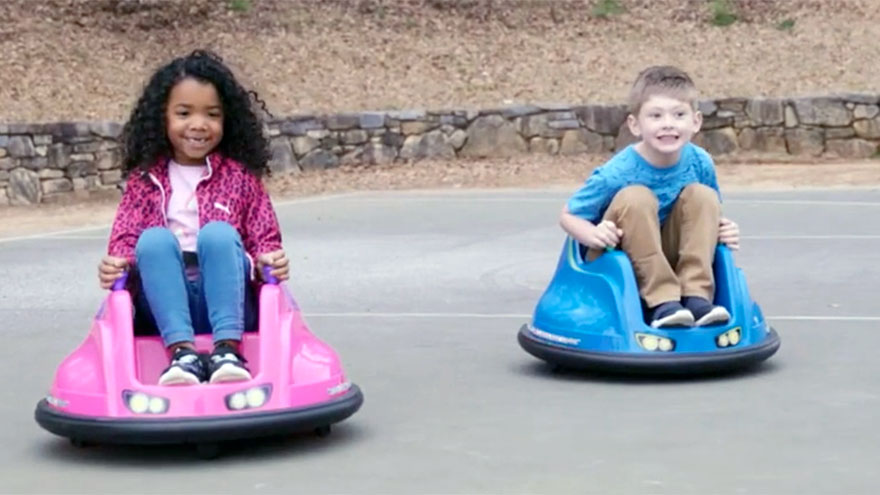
628 168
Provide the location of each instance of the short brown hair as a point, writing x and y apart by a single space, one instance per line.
664 80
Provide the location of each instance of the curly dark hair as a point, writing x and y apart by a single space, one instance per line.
144 138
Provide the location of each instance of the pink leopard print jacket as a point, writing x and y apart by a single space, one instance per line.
229 193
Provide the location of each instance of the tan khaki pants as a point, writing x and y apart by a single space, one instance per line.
676 259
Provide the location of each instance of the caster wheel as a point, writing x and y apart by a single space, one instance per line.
80 444
208 451
322 431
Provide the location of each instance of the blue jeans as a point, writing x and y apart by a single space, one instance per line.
216 299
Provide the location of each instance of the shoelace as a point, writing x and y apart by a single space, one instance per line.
187 359
216 358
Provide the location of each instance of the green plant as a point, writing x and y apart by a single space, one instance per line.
239 5
723 13
607 8
786 25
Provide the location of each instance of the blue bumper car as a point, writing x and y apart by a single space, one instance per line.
591 318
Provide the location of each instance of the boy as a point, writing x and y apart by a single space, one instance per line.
659 200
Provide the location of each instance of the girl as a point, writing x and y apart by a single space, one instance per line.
195 218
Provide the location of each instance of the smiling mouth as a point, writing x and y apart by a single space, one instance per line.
197 141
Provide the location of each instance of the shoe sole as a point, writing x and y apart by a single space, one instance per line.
681 318
177 376
718 315
230 373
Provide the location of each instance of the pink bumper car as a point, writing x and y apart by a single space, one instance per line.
106 390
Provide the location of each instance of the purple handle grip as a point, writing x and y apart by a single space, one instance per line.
120 282
268 277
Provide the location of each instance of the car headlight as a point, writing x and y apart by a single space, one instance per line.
251 398
729 338
256 397
653 343
141 403
157 405
236 401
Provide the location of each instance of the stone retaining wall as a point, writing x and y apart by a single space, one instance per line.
43 162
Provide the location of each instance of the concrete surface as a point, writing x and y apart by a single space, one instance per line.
422 294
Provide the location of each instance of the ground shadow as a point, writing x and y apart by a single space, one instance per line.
343 435
539 369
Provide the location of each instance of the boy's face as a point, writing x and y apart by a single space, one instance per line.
664 125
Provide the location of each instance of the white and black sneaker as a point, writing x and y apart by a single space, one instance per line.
671 314
187 368
226 365
705 313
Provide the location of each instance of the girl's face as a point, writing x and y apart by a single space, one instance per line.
194 121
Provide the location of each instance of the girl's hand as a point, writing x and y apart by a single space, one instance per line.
604 235
279 263
728 233
110 269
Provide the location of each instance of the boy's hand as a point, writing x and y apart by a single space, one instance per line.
279 263
110 269
604 235
728 233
